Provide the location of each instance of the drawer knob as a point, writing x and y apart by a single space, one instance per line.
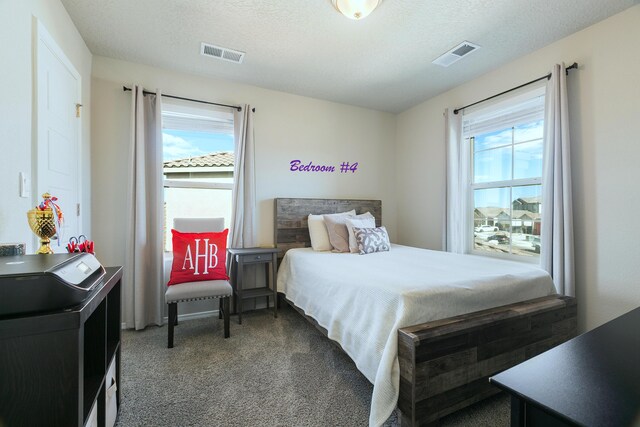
258 257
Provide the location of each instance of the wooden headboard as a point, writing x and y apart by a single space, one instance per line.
290 218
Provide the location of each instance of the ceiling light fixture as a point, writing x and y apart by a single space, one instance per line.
355 9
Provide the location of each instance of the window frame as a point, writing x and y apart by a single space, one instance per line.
468 138
177 183
203 116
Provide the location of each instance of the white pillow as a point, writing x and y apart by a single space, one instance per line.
318 231
366 220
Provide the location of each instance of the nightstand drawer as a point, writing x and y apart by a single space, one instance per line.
248 259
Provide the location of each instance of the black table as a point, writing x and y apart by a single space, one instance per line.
591 380
239 258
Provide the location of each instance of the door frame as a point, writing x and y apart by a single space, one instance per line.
41 35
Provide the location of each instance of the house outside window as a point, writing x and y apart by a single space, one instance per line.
505 189
198 163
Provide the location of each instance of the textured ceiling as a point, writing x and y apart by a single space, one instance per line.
305 47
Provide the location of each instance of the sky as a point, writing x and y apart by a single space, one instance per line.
493 162
179 144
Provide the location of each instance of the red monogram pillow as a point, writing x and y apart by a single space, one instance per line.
198 257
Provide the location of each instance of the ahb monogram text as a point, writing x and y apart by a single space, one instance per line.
209 257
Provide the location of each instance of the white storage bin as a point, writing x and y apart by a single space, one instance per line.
111 386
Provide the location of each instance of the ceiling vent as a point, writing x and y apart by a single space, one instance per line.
455 54
221 53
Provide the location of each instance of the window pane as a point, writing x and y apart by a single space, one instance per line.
492 165
528 159
507 217
491 219
526 222
492 139
193 155
181 144
195 203
528 132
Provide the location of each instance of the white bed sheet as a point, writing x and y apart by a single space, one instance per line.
362 300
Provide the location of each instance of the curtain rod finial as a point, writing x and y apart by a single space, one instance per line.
573 66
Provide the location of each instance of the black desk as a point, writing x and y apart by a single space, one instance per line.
591 380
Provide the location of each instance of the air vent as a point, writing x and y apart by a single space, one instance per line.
221 53
455 54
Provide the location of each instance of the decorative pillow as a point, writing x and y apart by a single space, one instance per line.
198 257
338 234
318 231
372 240
366 220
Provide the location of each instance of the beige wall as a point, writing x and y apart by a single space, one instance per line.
287 127
605 128
409 176
17 119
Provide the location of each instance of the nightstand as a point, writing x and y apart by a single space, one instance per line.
238 259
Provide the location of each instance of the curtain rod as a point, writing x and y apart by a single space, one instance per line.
548 76
146 92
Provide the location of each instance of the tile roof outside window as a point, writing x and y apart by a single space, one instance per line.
217 159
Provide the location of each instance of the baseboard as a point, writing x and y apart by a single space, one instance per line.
188 316
199 315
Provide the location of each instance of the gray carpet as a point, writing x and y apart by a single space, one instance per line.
270 372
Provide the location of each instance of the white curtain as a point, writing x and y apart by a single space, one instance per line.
243 227
143 284
556 248
457 204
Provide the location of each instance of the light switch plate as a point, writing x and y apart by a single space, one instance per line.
25 185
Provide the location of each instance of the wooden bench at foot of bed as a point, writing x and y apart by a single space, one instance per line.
445 364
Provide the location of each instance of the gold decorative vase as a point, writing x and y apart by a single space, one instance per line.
42 223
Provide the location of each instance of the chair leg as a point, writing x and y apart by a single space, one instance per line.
225 303
176 314
219 308
173 315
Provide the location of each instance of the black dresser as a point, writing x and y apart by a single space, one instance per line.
53 365
591 380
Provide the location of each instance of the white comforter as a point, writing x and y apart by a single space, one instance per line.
362 300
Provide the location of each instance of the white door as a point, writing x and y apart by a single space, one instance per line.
58 148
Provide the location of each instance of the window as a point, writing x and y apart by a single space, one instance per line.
198 161
506 143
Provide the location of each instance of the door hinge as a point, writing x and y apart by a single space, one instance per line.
78 109
78 209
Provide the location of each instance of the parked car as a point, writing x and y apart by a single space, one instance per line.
486 228
535 244
500 238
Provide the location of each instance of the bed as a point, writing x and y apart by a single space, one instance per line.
428 342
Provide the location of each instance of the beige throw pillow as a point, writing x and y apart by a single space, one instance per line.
318 230
338 234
